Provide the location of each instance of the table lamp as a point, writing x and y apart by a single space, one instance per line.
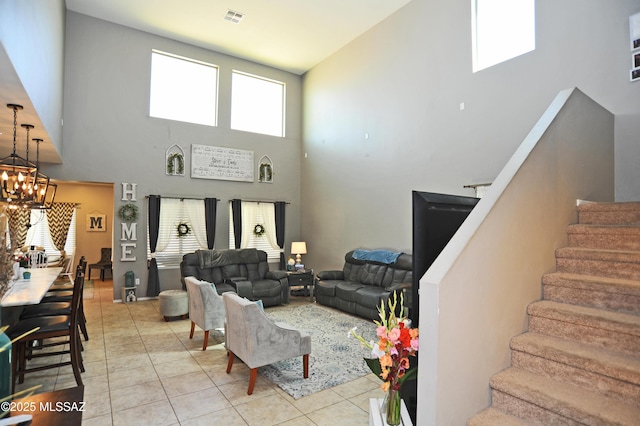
298 247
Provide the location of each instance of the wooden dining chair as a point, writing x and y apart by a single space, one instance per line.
27 331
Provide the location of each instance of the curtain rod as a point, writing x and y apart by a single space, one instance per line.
181 198
258 201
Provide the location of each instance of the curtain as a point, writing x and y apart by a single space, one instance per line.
269 217
153 287
210 209
249 214
236 209
279 219
59 218
196 213
19 220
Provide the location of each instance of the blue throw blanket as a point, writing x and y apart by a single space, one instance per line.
381 256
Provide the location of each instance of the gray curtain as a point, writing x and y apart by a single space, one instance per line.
210 208
236 209
153 286
279 207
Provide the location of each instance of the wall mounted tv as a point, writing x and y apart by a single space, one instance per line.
436 218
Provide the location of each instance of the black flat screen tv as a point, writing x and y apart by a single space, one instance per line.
436 218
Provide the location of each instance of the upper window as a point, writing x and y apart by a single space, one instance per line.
257 104
183 89
501 30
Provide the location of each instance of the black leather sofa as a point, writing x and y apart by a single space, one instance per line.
362 284
242 271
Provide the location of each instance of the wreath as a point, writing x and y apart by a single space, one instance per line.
183 229
128 213
258 230
170 164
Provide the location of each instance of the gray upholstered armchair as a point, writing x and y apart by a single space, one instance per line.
206 308
257 340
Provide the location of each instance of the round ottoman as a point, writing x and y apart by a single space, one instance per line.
174 303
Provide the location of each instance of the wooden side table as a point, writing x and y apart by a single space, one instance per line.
304 279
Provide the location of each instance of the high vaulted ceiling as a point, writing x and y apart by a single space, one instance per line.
292 35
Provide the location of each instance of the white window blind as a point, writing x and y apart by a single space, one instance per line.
39 235
253 214
171 247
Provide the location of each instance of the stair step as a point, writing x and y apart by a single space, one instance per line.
547 401
609 213
613 374
612 330
606 237
598 292
493 417
604 263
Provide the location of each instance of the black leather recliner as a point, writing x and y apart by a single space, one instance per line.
362 284
242 271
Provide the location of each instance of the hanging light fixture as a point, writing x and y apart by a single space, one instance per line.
22 184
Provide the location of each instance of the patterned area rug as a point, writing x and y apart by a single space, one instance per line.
336 357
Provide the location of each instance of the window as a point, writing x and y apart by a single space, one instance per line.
501 30
39 235
257 214
257 104
183 89
171 245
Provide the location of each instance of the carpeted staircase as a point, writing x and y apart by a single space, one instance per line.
579 363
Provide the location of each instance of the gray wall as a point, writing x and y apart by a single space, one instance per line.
402 83
109 137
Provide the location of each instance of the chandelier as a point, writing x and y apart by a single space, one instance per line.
22 184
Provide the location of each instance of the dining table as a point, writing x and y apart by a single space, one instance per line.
24 292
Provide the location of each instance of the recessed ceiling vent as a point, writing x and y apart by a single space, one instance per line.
233 16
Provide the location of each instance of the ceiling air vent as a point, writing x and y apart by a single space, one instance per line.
234 17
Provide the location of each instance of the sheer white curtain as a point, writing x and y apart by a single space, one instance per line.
268 211
168 209
195 212
249 217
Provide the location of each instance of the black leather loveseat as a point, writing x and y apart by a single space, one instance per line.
362 284
243 271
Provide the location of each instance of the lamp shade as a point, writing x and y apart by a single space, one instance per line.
299 247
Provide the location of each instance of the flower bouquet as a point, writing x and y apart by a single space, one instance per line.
390 355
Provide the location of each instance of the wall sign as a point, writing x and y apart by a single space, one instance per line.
96 222
216 162
129 229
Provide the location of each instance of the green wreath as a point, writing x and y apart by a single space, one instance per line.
183 229
170 165
258 230
128 213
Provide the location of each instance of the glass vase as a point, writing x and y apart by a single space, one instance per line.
391 407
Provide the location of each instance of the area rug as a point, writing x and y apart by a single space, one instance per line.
87 293
336 357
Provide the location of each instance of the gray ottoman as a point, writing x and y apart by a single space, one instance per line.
174 303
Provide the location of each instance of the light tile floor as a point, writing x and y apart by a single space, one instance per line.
141 370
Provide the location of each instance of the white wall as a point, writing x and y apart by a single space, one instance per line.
473 299
109 137
402 83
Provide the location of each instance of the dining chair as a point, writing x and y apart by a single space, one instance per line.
257 340
206 308
27 331
55 300
103 264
